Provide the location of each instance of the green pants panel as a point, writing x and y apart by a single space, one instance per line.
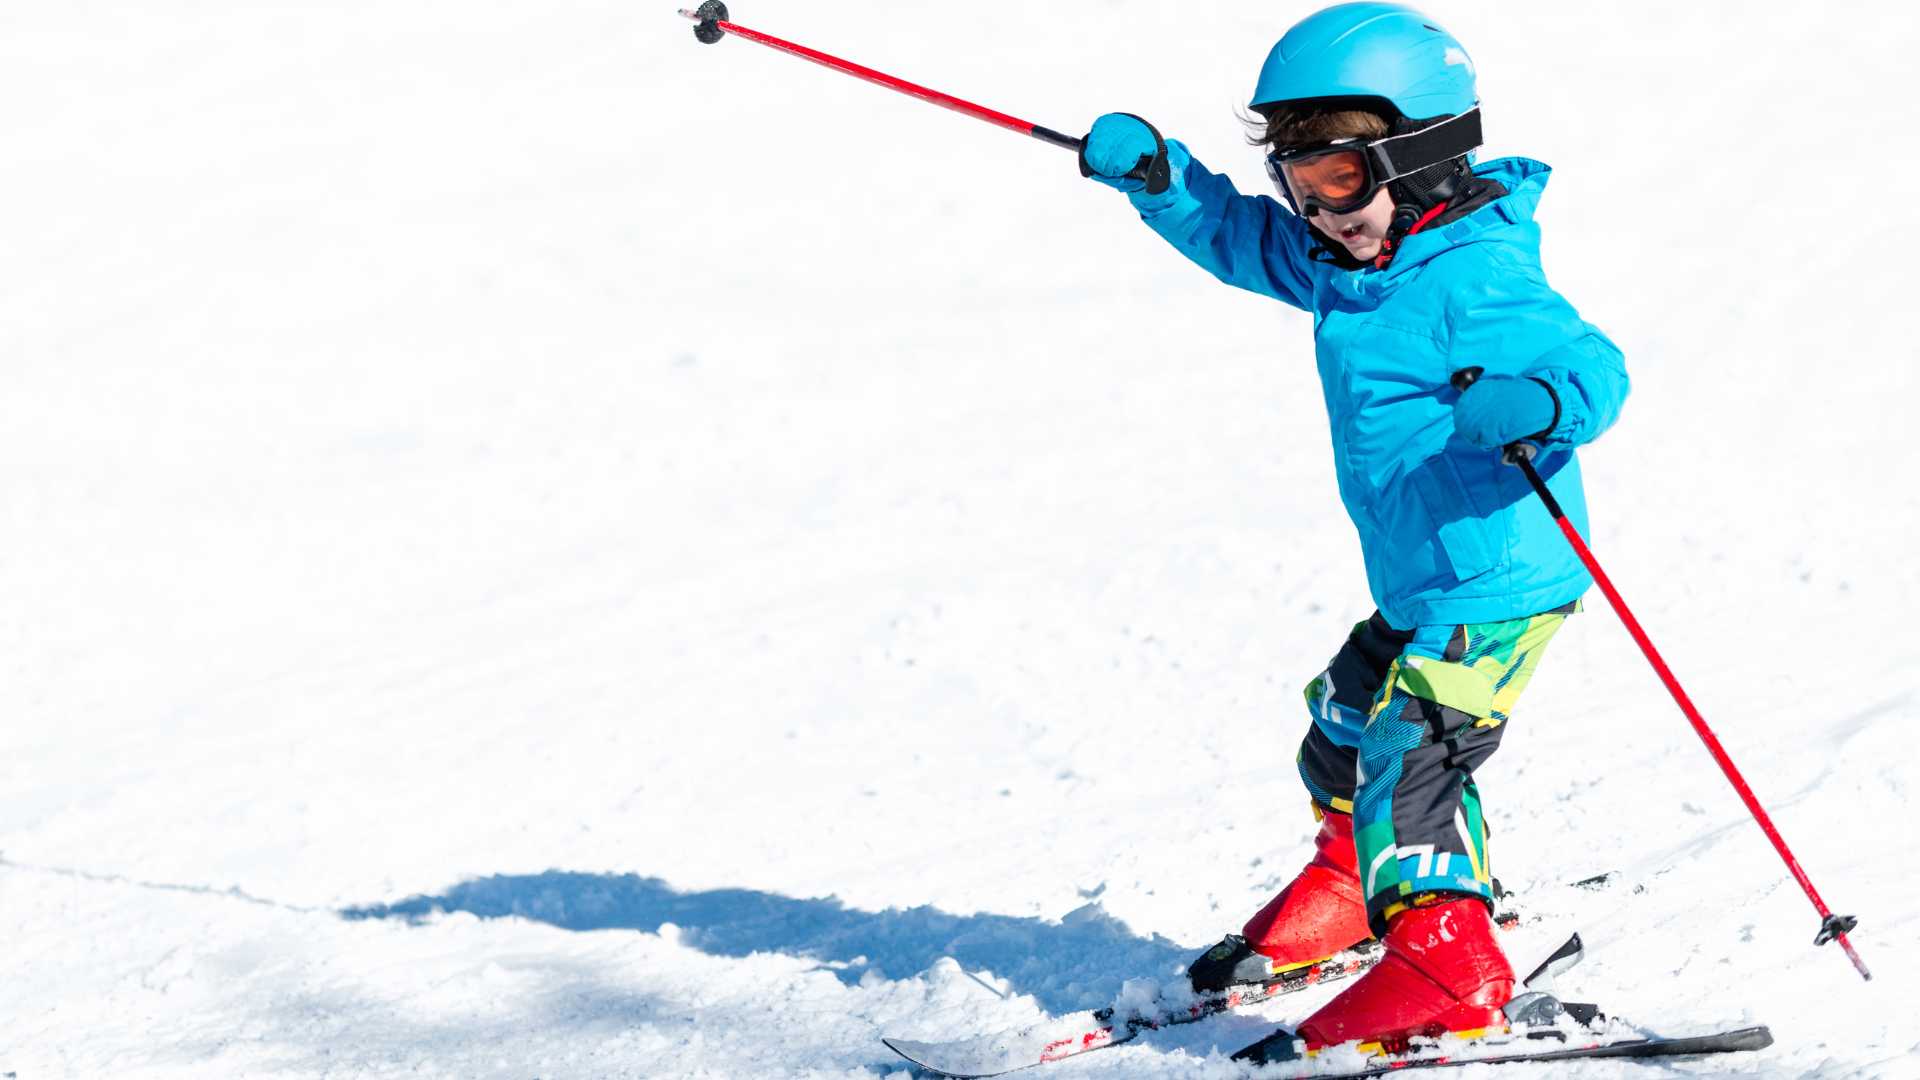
1437 713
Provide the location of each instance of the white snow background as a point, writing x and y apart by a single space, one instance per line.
533 547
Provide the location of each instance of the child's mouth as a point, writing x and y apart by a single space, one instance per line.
1351 232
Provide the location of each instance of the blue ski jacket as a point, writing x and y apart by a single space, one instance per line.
1449 534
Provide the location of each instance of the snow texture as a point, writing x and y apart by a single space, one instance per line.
534 547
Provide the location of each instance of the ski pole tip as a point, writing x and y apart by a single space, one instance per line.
1836 928
1859 965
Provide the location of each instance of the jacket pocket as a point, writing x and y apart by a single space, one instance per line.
1465 537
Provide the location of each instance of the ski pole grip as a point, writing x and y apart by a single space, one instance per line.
1514 452
1154 169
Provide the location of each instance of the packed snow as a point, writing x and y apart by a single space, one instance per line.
535 547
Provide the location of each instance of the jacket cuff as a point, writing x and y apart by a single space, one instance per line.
1177 161
1547 432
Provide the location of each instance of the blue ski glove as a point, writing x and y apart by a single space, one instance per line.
1501 409
1126 153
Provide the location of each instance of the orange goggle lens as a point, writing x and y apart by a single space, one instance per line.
1339 180
1334 178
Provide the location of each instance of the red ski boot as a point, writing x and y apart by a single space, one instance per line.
1319 914
1442 972
1323 910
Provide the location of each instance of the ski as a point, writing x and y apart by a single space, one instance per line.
1538 1027
1096 1029
1350 1061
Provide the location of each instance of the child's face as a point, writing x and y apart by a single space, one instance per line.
1360 231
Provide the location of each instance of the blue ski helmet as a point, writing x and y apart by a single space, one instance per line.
1385 51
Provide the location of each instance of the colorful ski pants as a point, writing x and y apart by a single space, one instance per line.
1401 719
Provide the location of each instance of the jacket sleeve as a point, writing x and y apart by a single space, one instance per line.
1512 322
1247 241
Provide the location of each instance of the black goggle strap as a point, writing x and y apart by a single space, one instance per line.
1456 136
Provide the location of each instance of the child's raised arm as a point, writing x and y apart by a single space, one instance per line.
1247 241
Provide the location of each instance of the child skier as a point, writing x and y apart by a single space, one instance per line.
1416 264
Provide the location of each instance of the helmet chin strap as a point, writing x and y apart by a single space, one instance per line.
1419 197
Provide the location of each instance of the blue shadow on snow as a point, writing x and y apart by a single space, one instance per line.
1078 962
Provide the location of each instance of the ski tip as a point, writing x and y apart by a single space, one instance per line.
1562 960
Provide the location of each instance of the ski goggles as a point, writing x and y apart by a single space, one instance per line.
1343 176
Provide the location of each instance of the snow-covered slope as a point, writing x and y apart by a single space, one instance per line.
533 547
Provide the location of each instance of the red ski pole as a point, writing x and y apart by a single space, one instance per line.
1832 927
714 25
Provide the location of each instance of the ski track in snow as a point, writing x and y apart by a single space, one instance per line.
536 548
